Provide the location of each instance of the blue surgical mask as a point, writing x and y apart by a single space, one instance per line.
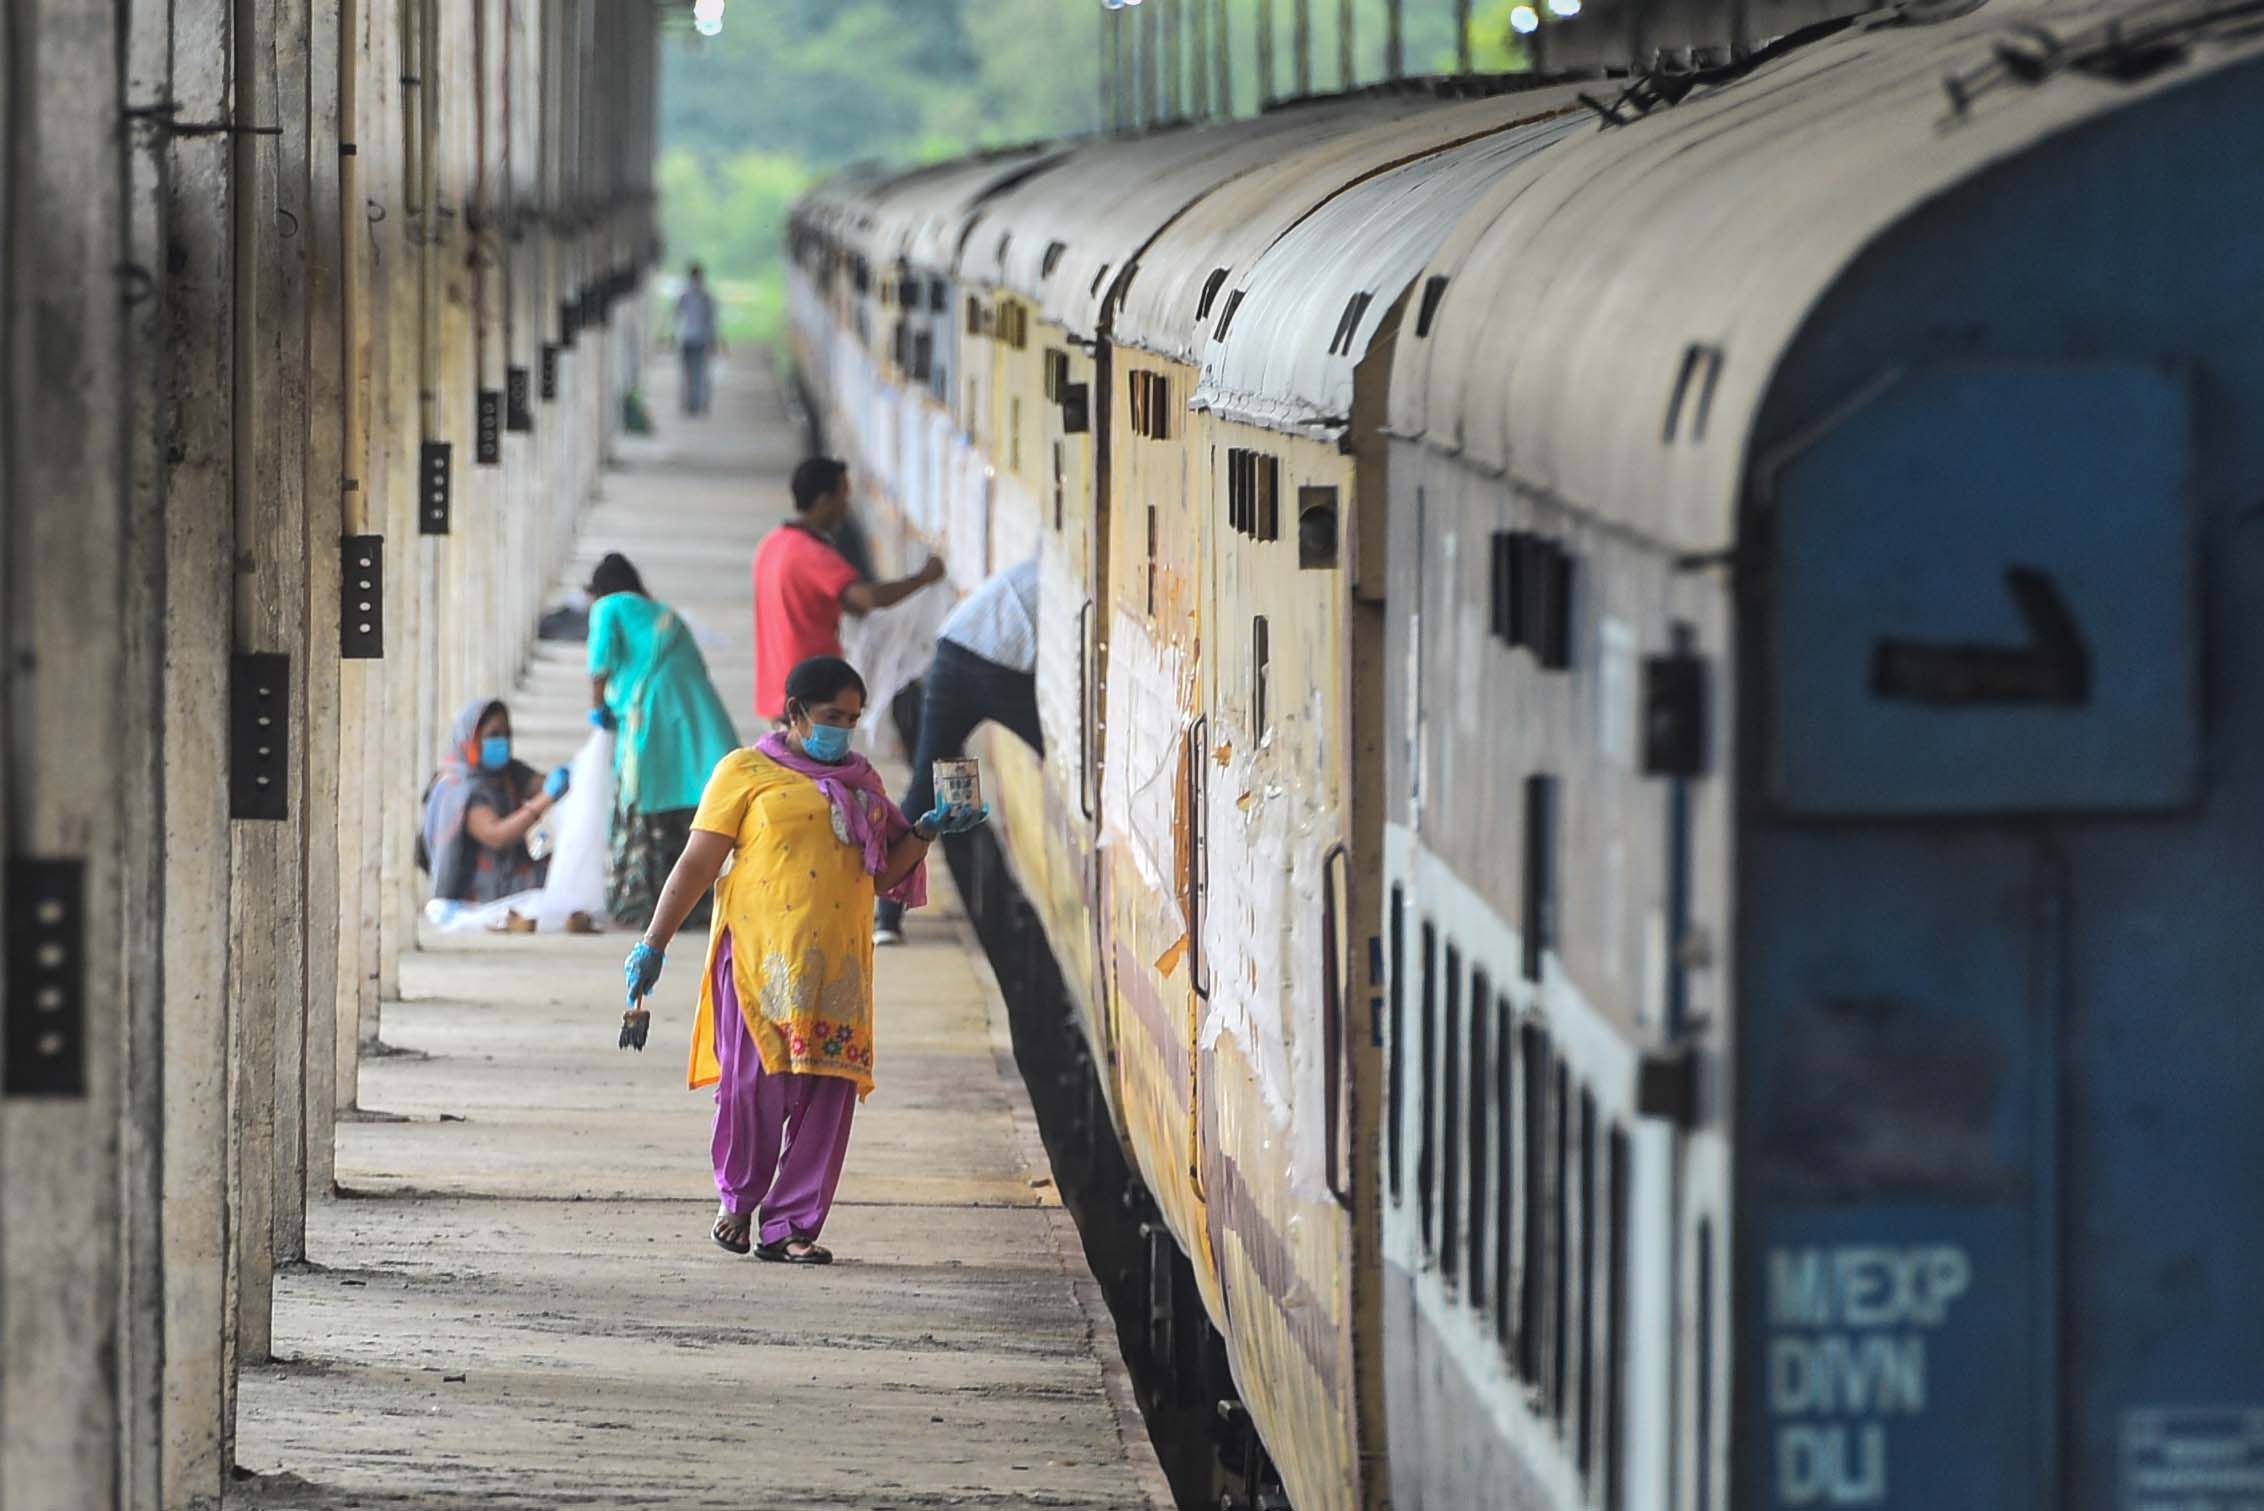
495 752
826 742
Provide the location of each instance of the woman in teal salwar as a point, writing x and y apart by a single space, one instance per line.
649 684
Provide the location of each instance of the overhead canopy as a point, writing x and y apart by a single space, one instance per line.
1689 246
1306 312
1219 236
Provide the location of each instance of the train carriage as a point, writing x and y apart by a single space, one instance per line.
1805 704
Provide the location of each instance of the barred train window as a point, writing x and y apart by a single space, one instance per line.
1261 672
1450 1122
1560 1237
1505 1164
1396 1124
1584 1340
1533 1055
1615 1321
1478 1132
1426 1146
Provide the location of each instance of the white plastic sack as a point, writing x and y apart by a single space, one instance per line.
581 833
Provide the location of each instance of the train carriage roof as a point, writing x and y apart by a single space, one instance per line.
1059 239
1686 247
1227 230
921 220
1306 312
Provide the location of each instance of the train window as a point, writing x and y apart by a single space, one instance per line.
1211 286
1450 1121
1505 1172
1615 1320
1052 258
1253 489
1584 1329
1151 404
939 297
1426 1146
1434 289
923 355
1530 594
1395 1125
1480 1135
1261 672
1540 872
1057 373
1703 1386
1060 484
1533 1103
1226 317
1316 528
974 316
1506 582
1560 1233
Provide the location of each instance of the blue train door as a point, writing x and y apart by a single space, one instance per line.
1980 647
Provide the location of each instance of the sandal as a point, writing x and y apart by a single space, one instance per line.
732 1231
782 1252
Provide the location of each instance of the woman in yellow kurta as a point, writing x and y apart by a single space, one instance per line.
785 1025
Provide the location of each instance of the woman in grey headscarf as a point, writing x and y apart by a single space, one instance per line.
479 809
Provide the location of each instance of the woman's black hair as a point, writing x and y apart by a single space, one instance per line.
820 679
615 574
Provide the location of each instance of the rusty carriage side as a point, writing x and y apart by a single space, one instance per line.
1261 323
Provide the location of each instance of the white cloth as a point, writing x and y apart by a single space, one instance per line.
999 620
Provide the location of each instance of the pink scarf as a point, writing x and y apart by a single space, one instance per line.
873 822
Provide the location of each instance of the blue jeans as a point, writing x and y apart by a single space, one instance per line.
960 691
695 394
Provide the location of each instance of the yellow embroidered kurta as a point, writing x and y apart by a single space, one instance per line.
799 904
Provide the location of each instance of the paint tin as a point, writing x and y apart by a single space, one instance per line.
959 783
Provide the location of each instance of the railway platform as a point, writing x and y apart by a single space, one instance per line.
513 1301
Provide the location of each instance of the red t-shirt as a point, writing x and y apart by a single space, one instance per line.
798 585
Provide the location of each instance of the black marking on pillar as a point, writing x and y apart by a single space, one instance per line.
435 472
518 414
488 446
259 736
361 588
46 1003
549 385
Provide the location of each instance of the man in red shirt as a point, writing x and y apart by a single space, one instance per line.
802 583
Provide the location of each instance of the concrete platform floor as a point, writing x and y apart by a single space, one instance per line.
514 1303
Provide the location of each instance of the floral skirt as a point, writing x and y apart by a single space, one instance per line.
645 848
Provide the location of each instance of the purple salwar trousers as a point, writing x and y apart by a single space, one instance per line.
779 1139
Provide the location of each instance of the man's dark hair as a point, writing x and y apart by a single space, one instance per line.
693 271
616 574
815 478
821 679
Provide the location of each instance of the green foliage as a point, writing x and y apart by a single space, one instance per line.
793 90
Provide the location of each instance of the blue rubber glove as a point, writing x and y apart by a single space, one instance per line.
601 717
554 786
642 971
956 820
